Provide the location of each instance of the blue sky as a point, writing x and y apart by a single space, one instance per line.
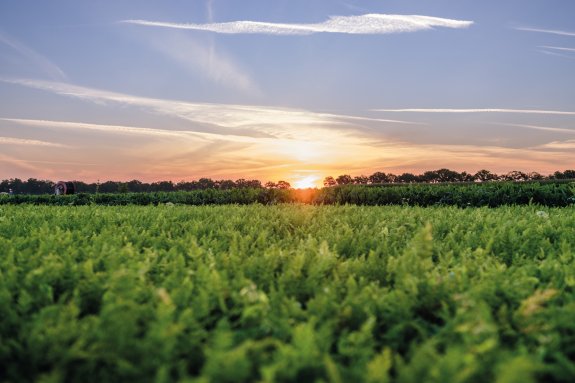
294 90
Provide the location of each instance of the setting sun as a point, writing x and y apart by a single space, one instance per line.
307 182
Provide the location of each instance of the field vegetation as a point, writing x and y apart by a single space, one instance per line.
287 293
553 194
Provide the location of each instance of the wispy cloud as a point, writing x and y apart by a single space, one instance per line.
297 139
556 54
560 145
135 131
564 49
28 142
369 24
210 10
542 128
201 56
550 31
488 110
11 166
277 122
44 64
556 51
205 59
118 129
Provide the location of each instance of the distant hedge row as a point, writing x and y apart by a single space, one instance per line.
485 194
195 197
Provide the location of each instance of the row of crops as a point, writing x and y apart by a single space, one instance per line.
289 293
475 195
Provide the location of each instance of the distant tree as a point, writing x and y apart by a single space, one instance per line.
466 177
243 183
344 179
378 178
108 187
516 175
256 184
5 186
567 174
164 186
429 176
283 185
361 180
407 178
82 187
135 186
185 186
35 186
447 175
270 185
206 183
534 176
17 186
329 182
485 176
557 175
122 187
441 175
226 184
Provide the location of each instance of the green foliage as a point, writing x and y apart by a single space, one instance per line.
553 194
288 293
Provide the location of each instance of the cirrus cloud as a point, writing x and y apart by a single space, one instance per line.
564 49
485 110
369 24
549 31
33 57
270 121
25 141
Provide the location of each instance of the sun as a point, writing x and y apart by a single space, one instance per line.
306 182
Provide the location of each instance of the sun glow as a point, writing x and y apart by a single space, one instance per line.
310 181
301 150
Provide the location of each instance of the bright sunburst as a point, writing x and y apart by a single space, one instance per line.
306 182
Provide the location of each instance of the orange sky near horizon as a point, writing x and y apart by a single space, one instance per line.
304 156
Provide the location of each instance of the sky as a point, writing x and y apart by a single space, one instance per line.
292 90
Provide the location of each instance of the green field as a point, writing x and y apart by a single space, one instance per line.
287 293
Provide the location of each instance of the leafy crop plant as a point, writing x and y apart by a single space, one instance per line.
287 293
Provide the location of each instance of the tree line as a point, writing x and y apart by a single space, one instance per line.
36 186
442 176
